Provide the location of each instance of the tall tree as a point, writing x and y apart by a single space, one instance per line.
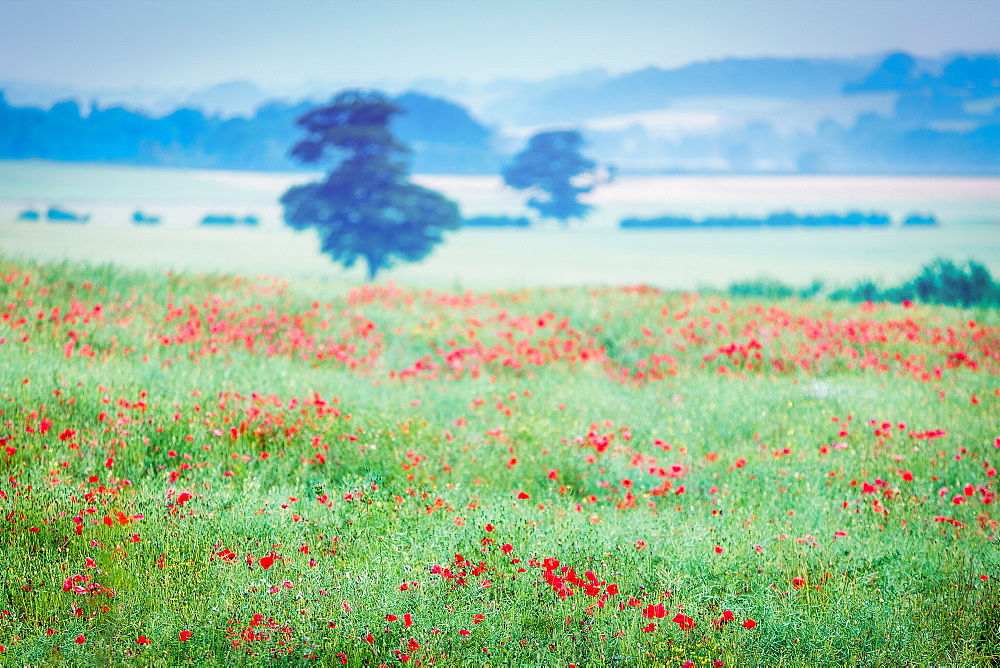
552 168
366 207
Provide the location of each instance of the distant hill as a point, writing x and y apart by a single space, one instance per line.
893 113
574 99
232 98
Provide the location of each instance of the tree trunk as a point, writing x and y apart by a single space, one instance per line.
374 263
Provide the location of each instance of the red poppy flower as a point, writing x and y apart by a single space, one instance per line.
654 610
683 621
749 624
185 635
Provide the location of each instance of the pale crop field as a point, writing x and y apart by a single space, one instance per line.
519 258
590 252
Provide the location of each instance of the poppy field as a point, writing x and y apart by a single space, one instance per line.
202 469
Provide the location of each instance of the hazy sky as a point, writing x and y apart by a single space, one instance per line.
191 43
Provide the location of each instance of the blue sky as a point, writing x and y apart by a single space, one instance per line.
190 43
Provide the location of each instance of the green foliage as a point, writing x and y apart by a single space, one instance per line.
552 166
365 208
940 282
769 288
784 219
945 283
228 471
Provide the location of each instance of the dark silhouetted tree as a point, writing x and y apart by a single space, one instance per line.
365 208
944 282
552 168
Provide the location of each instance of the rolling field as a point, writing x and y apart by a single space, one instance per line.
209 469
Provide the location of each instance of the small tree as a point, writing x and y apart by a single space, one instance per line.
552 167
365 208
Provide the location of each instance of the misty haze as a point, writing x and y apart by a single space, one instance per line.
726 138
449 333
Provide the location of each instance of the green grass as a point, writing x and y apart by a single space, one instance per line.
163 433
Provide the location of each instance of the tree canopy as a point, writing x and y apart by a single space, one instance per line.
551 167
365 207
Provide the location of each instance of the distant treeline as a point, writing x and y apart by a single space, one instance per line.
443 136
57 215
941 282
53 214
496 221
784 219
963 76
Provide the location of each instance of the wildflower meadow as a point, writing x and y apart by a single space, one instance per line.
209 470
